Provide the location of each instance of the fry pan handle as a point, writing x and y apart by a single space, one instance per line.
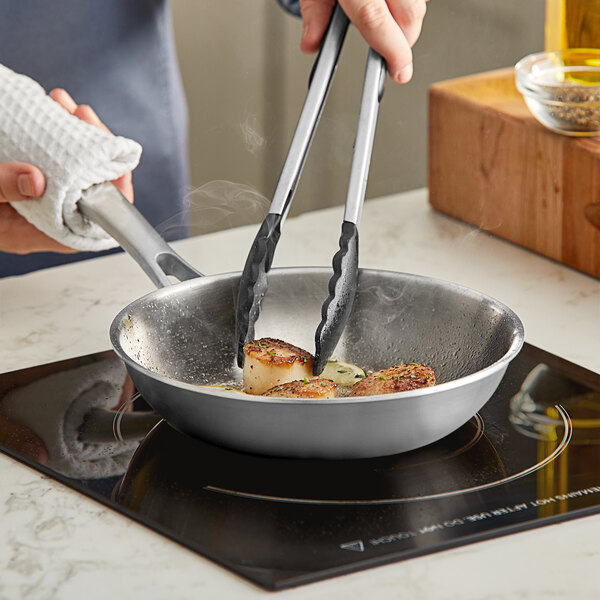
105 205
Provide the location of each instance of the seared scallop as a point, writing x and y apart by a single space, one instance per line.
399 378
269 362
305 388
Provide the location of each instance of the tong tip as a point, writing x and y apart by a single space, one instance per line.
253 281
338 304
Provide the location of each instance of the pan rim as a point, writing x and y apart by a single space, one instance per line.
512 351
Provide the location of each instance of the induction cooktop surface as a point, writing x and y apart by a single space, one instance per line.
529 458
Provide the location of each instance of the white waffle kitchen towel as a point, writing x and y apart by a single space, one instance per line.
55 407
72 154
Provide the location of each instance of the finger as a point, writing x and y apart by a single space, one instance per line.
125 185
409 15
20 181
376 24
81 111
18 236
64 99
88 114
315 18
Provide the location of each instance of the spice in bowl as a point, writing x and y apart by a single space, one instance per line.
562 89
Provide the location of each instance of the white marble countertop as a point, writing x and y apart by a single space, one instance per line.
55 542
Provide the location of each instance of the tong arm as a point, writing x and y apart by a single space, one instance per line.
372 93
253 282
343 283
319 83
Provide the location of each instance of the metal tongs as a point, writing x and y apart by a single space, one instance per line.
342 285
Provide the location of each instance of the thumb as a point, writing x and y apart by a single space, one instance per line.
20 181
315 18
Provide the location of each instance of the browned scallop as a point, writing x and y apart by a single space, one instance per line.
400 378
269 362
306 388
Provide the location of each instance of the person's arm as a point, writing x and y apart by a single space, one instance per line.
22 181
389 26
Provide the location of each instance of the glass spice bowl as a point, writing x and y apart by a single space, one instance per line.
562 89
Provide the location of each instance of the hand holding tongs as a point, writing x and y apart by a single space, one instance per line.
342 285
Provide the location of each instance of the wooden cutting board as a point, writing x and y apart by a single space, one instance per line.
493 165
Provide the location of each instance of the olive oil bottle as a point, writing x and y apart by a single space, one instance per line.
572 27
572 24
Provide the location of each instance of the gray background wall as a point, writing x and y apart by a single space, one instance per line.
246 79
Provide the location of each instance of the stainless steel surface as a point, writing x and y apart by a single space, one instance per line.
106 206
320 82
180 337
372 92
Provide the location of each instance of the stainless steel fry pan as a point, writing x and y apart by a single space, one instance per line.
182 337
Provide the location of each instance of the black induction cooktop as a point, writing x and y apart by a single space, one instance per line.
530 457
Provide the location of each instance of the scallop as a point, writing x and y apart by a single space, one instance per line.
271 362
399 378
319 388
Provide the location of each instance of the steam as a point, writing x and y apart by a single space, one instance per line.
386 294
253 139
214 206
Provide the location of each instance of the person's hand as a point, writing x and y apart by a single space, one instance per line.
391 27
21 181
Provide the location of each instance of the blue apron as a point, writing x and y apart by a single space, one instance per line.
119 57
